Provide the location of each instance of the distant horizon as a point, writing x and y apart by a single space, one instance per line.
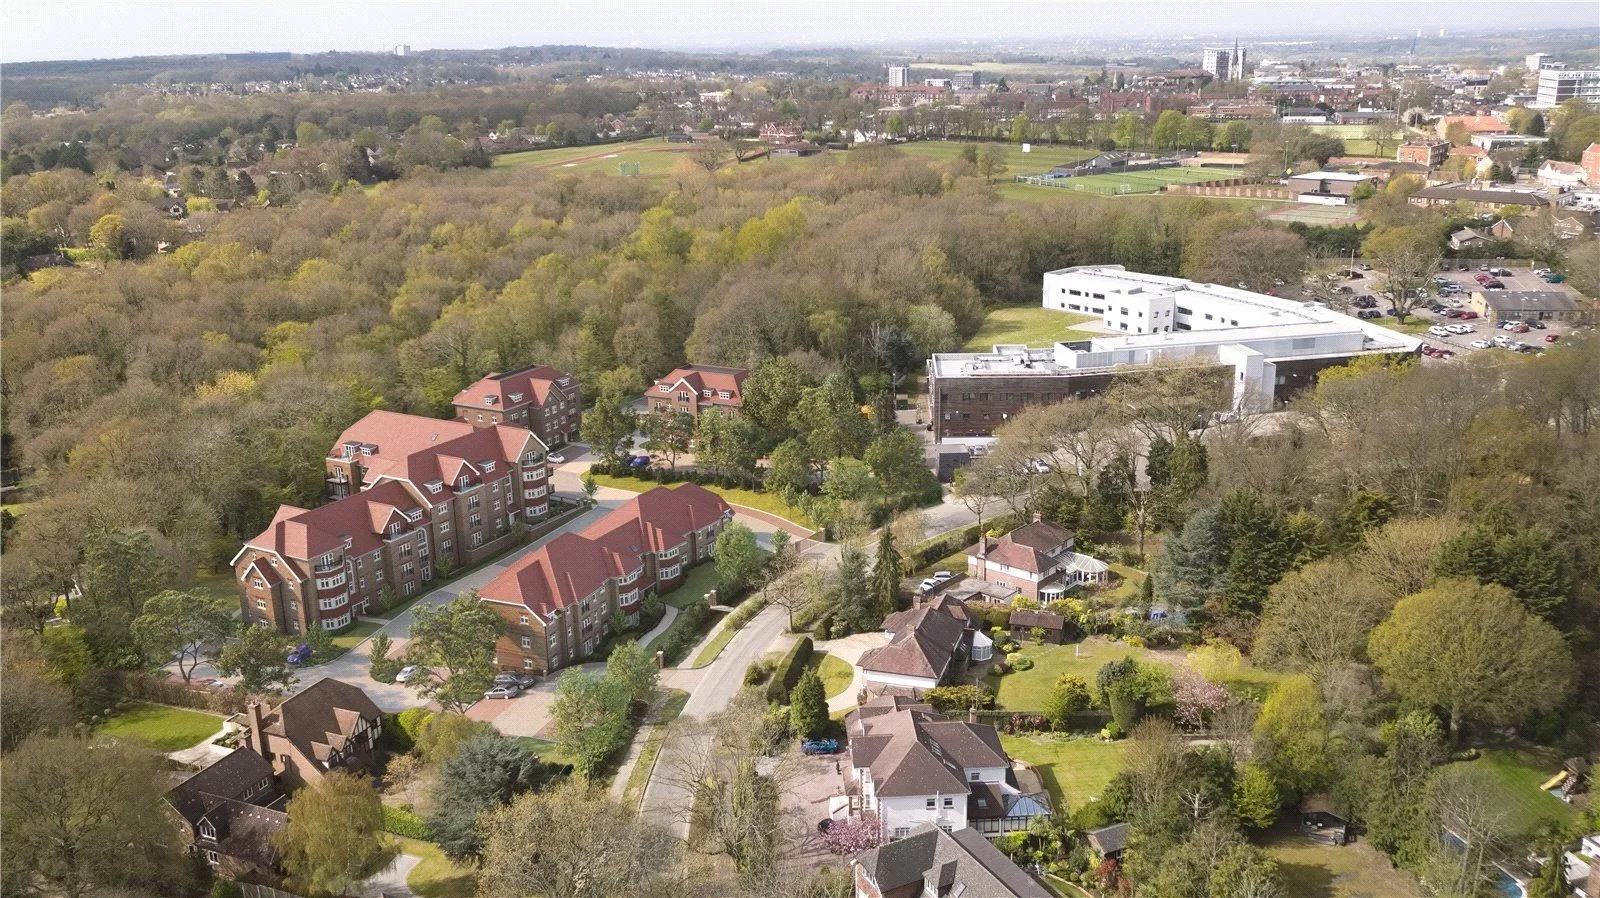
106 30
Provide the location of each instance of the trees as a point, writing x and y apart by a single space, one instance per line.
991 163
789 470
1320 616
186 626
808 704
886 567
1291 736
739 559
335 837
573 841
1068 698
608 427
455 644
258 658
669 433
1408 256
634 669
896 459
1451 646
1255 797
591 717
87 816
486 772
727 443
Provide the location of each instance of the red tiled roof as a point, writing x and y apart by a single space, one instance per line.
418 449
709 377
560 573
662 517
1028 547
537 382
299 533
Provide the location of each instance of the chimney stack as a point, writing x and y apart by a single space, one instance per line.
258 734
1037 517
972 714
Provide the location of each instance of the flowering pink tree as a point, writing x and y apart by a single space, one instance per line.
854 836
1196 698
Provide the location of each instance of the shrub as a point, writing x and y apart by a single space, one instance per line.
408 724
1134 641
403 822
953 701
788 671
757 673
1022 663
999 668
226 888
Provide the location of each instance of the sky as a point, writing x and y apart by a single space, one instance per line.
96 29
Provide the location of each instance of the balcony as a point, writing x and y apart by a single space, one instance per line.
326 567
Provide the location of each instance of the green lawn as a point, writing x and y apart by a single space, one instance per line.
771 503
653 155
1313 870
1150 181
1039 158
714 647
548 751
1412 325
1029 325
1513 776
1026 690
351 636
639 776
1016 190
836 673
1074 770
162 726
437 876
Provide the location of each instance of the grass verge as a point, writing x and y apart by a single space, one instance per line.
645 765
163 727
714 647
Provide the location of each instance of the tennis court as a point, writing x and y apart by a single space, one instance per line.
1147 181
1311 214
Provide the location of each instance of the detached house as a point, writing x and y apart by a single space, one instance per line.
330 725
231 811
927 647
695 388
539 398
910 767
1037 560
407 492
933 863
558 601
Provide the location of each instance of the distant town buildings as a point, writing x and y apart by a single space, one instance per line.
966 80
899 76
1224 63
1557 85
1424 151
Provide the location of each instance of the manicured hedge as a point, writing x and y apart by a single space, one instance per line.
789 670
404 822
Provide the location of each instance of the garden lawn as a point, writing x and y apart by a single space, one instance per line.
1512 777
835 671
1026 690
1030 325
771 503
1314 870
162 726
352 636
1074 769
437 876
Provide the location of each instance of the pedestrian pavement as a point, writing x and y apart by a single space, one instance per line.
390 882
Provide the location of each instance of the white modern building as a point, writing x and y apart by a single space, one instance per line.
899 76
1556 86
1224 63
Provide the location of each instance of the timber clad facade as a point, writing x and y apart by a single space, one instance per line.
558 601
540 398
407 492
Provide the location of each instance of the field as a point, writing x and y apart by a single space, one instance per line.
1017 190
1026 690
1322 216
165 728
770 503
1038 158
1512 777
1312 870
1149 181
1074 770
654 156
1029 325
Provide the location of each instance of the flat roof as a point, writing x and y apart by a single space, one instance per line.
1528 300
1330 176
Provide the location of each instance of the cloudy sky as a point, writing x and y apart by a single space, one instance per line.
88 29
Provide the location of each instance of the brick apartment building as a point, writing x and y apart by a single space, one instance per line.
558 601
1427 151
694 388
407 491
539 398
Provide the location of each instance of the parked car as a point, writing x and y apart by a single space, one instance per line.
639 461
927 586
557 458
1463 267
1551 338
407 673
1555 279
1484 267
942 576
1534 323
1468 315
1438 331
1480 344
1519 329
1444 354
511 691
819 746
1494 285
1483 279
300 655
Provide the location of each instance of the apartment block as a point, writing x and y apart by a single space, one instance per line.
558 601
407 491
695 388
1429 152
1557 86
539 397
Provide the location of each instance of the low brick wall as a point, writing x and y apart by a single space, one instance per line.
1237 187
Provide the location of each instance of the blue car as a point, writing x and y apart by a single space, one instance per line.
819 746
300 655
639 461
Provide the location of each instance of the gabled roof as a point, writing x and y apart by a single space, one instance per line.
914 751
1030 547
662 517
560 573
700 378
1109 839
961 863
322 718
230 777
416 449
1028 618
923 643
245 830
307 533
533 384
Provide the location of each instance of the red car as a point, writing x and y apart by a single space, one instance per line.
1468 316
1483 279
1551 338
1520 329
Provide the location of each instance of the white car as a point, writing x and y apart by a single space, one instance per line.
927 586
1459 328
942 576
1437 331
556 458
1480 344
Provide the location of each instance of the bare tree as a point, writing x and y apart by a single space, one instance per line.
710 155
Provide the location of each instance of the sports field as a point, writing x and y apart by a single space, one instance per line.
1038 158
653 156
1150 181
1312 214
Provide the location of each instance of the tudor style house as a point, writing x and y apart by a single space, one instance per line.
1037 560
330 725
539 398
933 863
695 388
910 767
231 811
558 601
407 492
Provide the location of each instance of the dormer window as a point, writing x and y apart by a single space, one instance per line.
207 831
394 529
706 393
488 400
516 397
724 394
488 467
665 388
462 482
414 515
435 486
